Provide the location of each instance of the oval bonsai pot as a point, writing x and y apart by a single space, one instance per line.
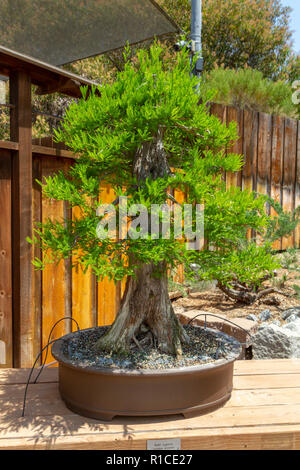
102 393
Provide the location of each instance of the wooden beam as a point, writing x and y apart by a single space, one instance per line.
6 335
6 144
20 130
43 151
64 85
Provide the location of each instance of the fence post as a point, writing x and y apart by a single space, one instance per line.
21 132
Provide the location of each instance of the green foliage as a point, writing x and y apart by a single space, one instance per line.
297 290
241 33
148 100
246 264
247 88
283 223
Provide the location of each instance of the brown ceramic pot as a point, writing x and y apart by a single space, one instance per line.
103 393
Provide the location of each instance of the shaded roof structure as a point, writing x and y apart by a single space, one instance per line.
48 78
63 31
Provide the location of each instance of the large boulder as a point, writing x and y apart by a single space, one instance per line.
275 342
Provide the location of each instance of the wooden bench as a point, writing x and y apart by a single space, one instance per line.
263 413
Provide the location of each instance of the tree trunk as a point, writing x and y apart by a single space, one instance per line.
145 303
146 299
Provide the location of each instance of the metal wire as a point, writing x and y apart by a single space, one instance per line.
222 318
39 354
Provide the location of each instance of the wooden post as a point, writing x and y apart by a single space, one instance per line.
6 335
20 131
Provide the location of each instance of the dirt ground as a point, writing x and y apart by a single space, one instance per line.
287 282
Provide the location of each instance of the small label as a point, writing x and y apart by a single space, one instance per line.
2 352
164 444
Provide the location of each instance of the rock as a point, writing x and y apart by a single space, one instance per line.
265 315
263 325
292 318
252 317
175 295
293 325
290 311
275 342
178 309
276 322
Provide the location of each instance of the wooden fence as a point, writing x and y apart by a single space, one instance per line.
272 166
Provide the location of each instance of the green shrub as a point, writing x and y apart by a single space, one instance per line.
247 88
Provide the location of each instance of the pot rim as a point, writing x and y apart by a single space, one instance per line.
58 354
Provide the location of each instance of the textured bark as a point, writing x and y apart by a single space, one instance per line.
246 296
146 302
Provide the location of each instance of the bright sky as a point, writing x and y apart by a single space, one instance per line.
295 21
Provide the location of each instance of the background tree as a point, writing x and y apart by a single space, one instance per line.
147 135
241 33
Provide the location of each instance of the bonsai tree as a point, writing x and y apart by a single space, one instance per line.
146 135
240 272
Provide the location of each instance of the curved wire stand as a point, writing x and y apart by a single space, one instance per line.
222 318
44 362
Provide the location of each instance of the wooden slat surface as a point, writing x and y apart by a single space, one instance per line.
289 172
6 325
263 413
53 276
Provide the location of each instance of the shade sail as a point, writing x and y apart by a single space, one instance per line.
63 31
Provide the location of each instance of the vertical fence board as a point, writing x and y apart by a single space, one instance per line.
20 131
6 334
277 165
82 293
36 253
289 171
236 115
220 111
264 154
180 198
53 279
297 186
250 149
108 292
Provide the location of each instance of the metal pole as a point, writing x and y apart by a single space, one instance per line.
196 23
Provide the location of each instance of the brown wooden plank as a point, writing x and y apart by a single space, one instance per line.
6 333
249 149
50 151
8 145
53 276
270 438
297 187
264 154
277 165
289 171
36 253
108 292
67 214
244 382
220 111
82 292
20 376
267 366
236 115
74 431
180 198
20 129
